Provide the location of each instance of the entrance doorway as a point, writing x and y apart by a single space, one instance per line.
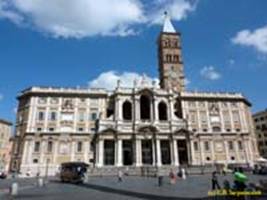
109 152
182 152
165 152
127 147
147 152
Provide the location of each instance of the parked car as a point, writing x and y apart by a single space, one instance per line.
3 175
73 172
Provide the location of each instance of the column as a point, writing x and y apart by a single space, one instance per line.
236 150
154 152
175 153
55 151
192 152
72 151
137 108
201 152
158 152
156 117
99 153
119 153
226 151
138 153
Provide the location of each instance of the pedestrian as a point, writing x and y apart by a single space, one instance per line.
214 181
172 177
120 174
183 173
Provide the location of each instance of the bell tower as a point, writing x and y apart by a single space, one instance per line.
170 58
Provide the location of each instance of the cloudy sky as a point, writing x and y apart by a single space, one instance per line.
94 43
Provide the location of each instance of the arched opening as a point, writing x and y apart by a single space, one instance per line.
127 110
162 108
145 107
178 109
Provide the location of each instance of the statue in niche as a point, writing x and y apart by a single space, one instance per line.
67 104
214 109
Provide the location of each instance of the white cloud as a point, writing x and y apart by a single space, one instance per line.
209 72
5 12
187 81
83 18
256 38
1 97
109 80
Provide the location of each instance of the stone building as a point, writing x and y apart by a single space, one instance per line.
141 127
5 144
260 124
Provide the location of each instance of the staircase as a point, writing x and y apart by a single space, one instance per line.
149 171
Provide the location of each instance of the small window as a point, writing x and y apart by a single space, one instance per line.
36 146
232 158
240 145
35 160
49 146
205 130
230 145
207 146
79 146
39 129
196 146
51 129
208 158
80 129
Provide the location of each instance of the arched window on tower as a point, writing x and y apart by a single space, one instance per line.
178 109
145 107
162 108
168 58
127 110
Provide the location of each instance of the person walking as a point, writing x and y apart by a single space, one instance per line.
214 181
120 174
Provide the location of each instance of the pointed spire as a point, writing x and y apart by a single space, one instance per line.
167 26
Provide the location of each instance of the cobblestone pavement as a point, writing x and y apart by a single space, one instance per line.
194 187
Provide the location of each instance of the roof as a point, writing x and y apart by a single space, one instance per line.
167 25
5 122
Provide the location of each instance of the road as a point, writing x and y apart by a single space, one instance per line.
132 188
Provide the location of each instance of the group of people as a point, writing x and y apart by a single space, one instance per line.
238 184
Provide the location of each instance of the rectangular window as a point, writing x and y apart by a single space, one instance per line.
53 116
193 117
207 145
93 116
79 146
203 116
196 146
36 147
236 117
81 116
226 117
49 146
230 145
41 116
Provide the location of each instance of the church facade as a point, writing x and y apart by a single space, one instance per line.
135 128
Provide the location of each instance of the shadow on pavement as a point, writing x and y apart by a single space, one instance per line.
134 194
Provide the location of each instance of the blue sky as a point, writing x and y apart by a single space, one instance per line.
59 43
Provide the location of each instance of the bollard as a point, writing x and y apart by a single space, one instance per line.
85 178
183 173
40 182
14 189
